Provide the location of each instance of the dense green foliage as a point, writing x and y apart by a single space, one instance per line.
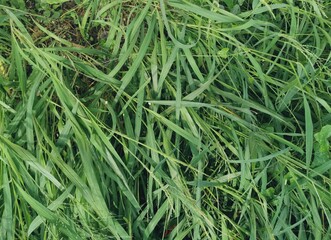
174 119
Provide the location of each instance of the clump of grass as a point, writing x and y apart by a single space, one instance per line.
165 119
